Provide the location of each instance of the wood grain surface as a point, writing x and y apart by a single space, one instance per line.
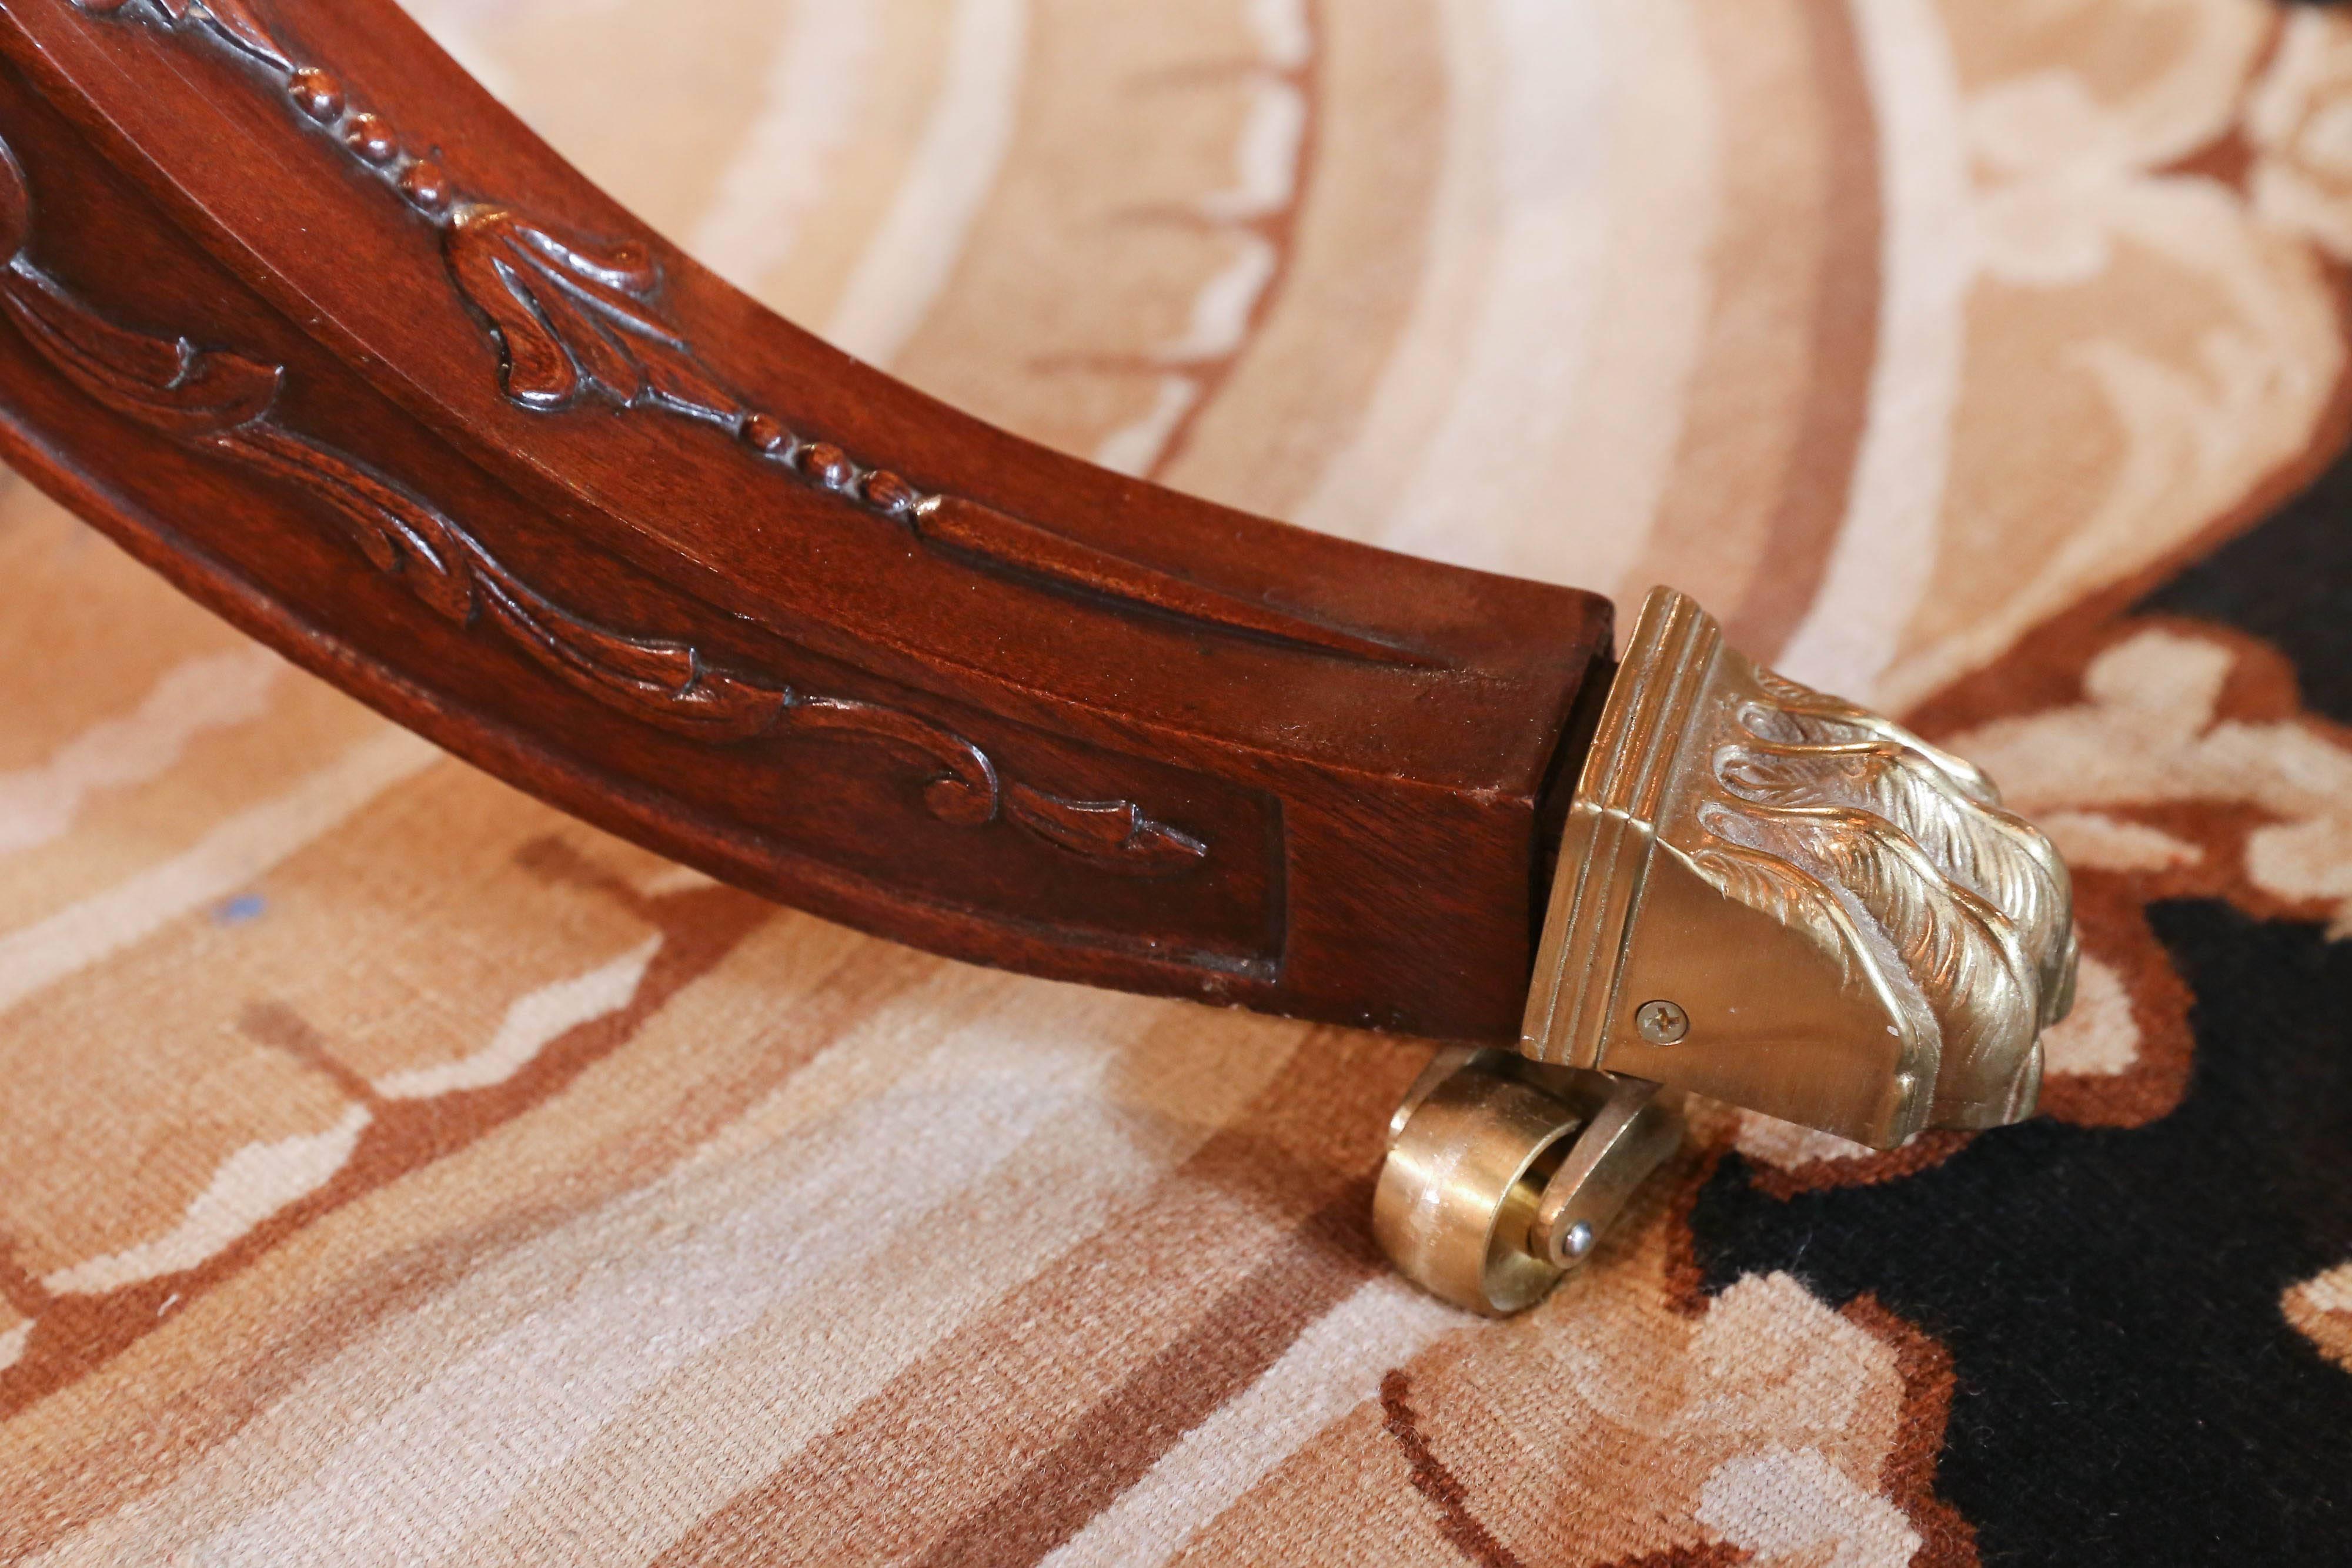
429 412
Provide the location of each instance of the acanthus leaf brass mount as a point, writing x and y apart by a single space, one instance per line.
1765 896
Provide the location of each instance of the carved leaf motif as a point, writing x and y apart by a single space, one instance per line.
233 18
171 385
660 680
223 401
573 320
964 792
1114 834
399 535
657 680
237 19
168 383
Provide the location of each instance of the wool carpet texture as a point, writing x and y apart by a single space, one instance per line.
394 1171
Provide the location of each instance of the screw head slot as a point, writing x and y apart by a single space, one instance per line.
1662 1023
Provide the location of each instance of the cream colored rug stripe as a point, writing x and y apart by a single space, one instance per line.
922 238
817 88
222 861
747 1407
1335 1366
1885 555
215 691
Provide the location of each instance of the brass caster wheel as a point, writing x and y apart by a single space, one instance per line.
1503 1173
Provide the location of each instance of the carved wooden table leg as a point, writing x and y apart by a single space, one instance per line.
311 325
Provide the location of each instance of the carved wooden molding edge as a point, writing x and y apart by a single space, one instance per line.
575 321
219 401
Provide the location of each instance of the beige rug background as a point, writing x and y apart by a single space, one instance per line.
394 1171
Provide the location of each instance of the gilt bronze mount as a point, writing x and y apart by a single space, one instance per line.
1767 897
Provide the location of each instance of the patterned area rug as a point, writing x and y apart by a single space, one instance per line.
394 1171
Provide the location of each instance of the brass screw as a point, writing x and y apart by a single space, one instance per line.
1662 1023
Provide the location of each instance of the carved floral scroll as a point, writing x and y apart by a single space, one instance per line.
226 402
575 321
